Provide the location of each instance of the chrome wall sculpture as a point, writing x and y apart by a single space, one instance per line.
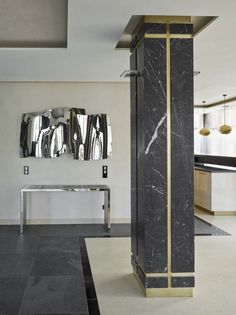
66 130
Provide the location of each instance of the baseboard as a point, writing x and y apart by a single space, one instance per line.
218 212
204 209
9 222
224 213
64 221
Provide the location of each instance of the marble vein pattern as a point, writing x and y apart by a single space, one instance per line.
151 156
155 135
182 155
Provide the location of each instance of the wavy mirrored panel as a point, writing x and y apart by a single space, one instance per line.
58 131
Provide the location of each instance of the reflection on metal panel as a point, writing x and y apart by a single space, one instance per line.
63 130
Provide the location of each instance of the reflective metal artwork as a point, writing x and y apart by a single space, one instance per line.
66 130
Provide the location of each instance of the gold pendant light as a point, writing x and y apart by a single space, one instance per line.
204 131
225 129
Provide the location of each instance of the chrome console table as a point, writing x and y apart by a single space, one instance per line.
58 188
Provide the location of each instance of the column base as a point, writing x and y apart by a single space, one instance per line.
164 292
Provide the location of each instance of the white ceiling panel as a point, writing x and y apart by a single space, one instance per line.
94 28
33 23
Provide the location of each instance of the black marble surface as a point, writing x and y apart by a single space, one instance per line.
181 28
182 154
151 28
133 132
182 282
149 132
152 150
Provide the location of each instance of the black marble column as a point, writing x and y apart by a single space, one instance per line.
162 217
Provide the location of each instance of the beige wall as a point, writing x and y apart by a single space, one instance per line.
18 98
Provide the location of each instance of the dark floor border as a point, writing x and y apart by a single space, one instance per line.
88 278
215 231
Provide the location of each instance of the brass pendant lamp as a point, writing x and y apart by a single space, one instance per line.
204 131
225 129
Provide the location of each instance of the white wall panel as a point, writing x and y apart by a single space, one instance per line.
109 98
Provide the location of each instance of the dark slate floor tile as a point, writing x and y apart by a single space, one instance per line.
11 294
16 265
19 244
60 294
202 227
92 229
60 244
15 230
11 229
123 230
55 264
59 229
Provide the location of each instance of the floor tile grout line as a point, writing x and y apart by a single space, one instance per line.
83 243
19 312
84 254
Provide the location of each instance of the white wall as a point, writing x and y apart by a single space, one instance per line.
109 98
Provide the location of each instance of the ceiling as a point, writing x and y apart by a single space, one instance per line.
94 28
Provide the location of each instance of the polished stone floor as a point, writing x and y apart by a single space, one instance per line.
47 271
119 293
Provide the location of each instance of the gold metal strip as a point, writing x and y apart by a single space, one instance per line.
183 36
156 275
154 35
168 105
164 292
173 274
182 274
169 292
180 36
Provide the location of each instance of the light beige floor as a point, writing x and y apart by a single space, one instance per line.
215 292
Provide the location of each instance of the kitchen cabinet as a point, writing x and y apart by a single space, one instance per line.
215 190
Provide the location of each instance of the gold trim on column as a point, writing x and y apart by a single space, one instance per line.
164 292
182 274
154 35
180 36
168 110
173 274
161 36
156 275
169 292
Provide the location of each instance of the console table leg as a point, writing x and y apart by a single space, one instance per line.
23 206
107 212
